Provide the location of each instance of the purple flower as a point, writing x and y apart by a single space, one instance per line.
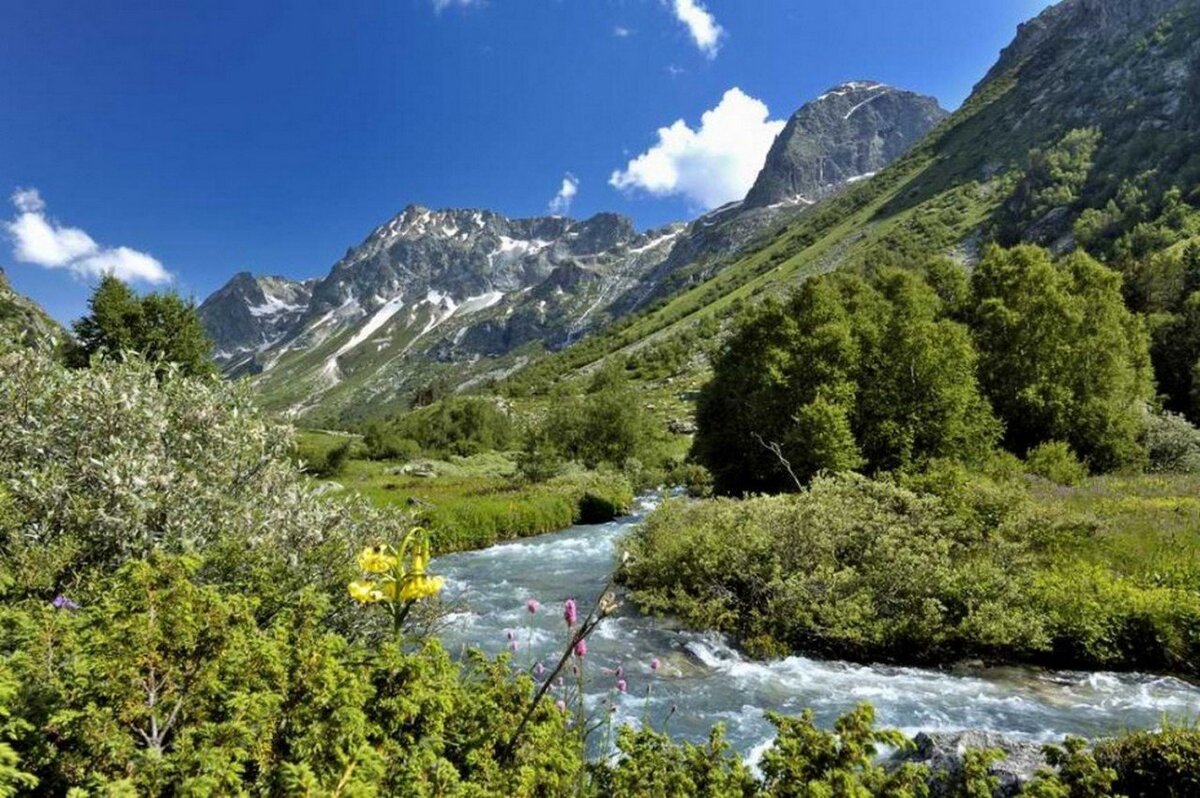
532 606
61 602
655 664
621 685
570 612
539 669
581 648
513 645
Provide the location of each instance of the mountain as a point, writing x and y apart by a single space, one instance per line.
22 321
1085 133
469 295
429 292
249 314
842 137
847 134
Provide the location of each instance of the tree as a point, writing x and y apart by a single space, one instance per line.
1061 358
162 328
850 373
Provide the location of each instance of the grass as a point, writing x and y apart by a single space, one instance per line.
1144 527
475 502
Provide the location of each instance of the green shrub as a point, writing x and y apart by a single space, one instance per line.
1162 764
114 463
1172 443
870 570
1056 462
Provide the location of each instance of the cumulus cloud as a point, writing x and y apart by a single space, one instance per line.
561 204
701 25
42 241
711 165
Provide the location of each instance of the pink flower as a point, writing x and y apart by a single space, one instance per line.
562 705
570 613
513 645
539 669
581 648
621 686
655 664
532 606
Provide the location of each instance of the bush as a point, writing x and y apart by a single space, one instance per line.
1162 764
112 463
867 570
1056 462
1172 443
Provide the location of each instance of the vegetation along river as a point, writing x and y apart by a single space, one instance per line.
706 681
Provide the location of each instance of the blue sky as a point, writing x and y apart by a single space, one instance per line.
181 142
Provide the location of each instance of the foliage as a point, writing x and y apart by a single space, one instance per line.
957 565
1055 461
849 373
162 328
127 458
451 426
1060 356
607 425
1172 443
1053 178
1154 763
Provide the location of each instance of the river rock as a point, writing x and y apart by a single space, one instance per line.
944 752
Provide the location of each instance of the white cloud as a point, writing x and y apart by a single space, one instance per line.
621 32
441 5
561 204
712 165
28 200
39 240
701 24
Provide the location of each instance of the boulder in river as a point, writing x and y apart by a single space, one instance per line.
944 752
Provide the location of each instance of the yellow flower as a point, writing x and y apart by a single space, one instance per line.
375 560
364 592
421 587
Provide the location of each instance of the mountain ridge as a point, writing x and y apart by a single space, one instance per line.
463 287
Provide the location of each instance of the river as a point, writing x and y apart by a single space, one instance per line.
702 680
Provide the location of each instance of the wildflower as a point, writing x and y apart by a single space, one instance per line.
562 705
539 669
513 645
61 602
532 606
655 664
621 685
581 649
570 612
376 560
619 672
364 592
418 587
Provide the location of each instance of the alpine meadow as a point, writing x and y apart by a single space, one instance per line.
853 453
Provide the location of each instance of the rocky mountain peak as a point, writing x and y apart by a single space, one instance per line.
847 133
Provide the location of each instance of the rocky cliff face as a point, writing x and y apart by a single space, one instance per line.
848 133
249 314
